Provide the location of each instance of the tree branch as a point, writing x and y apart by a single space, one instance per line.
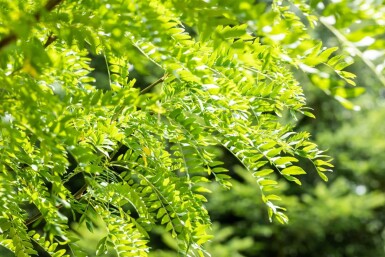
51 38
77 196
145 90
7 40
49 6
52 4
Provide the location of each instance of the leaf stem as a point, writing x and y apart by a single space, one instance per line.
145 90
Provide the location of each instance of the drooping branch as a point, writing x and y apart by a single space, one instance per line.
378 75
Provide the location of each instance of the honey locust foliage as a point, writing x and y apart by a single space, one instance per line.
131 158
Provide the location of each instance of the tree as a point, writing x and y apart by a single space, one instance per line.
343 217
76 149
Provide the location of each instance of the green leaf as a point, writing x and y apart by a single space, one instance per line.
284 160
59 253
323 176
90 225
263 173
324 56
293 179
267 182
320 162
165 219
348 92
233 32
161 213
101 247
293 170
273 197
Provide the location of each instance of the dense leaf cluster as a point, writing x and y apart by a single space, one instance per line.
134 158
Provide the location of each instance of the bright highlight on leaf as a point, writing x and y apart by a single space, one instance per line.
117 114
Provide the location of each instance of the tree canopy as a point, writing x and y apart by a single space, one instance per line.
220 76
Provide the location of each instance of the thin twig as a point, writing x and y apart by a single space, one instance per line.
145 90
51 38
77 196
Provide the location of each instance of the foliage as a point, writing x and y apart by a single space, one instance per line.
339 219
134 159
344 217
